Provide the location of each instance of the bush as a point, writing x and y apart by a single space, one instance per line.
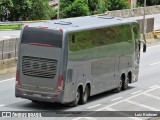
117 4
75 9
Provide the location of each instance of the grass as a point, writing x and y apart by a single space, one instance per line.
10 27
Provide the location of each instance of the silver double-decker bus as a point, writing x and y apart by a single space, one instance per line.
69 60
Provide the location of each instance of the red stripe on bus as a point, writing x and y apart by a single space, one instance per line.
40 44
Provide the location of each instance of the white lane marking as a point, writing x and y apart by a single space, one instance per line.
77 118
7 80
2 105
111 109
90 118
101 109
153 86
153 46
142 105
152 96
117 98
136 92
109 106
120 113
94 106
155 63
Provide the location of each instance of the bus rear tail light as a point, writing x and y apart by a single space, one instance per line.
59 86
61 30
25 26
18 79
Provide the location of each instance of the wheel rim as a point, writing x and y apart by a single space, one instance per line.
126 83
86 95
77 96
120 85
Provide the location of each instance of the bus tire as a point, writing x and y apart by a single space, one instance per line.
85 95
125 84
118 89
77 99
35 101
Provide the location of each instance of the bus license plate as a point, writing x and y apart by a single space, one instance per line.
36 95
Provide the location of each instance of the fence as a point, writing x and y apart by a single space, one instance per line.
9 48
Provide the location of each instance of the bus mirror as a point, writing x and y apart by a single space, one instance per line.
144 45
73 38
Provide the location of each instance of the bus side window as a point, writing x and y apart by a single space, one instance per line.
73 38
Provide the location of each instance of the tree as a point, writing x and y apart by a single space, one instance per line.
5 6
75 9
93 6
41 10
15 10
101 6
21 9
117 4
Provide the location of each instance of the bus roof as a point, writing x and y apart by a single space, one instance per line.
82 23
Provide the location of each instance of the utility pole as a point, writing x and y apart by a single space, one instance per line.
58 11
144 21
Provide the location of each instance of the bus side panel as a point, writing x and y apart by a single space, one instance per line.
125 62
103 70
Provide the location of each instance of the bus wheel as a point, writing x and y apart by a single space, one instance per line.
118 89
85 96
125 84
76 101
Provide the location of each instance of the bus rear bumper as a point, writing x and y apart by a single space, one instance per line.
38 96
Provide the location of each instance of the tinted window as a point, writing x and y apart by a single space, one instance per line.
99 37
136 31
101 43
42 36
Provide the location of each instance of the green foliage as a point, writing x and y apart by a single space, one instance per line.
14 10
41 10
5 7
101 6
75 9
21 9
93 5
13 27
117 4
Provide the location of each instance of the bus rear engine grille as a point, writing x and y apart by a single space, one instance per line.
39 67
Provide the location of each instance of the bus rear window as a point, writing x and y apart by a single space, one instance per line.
46 37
